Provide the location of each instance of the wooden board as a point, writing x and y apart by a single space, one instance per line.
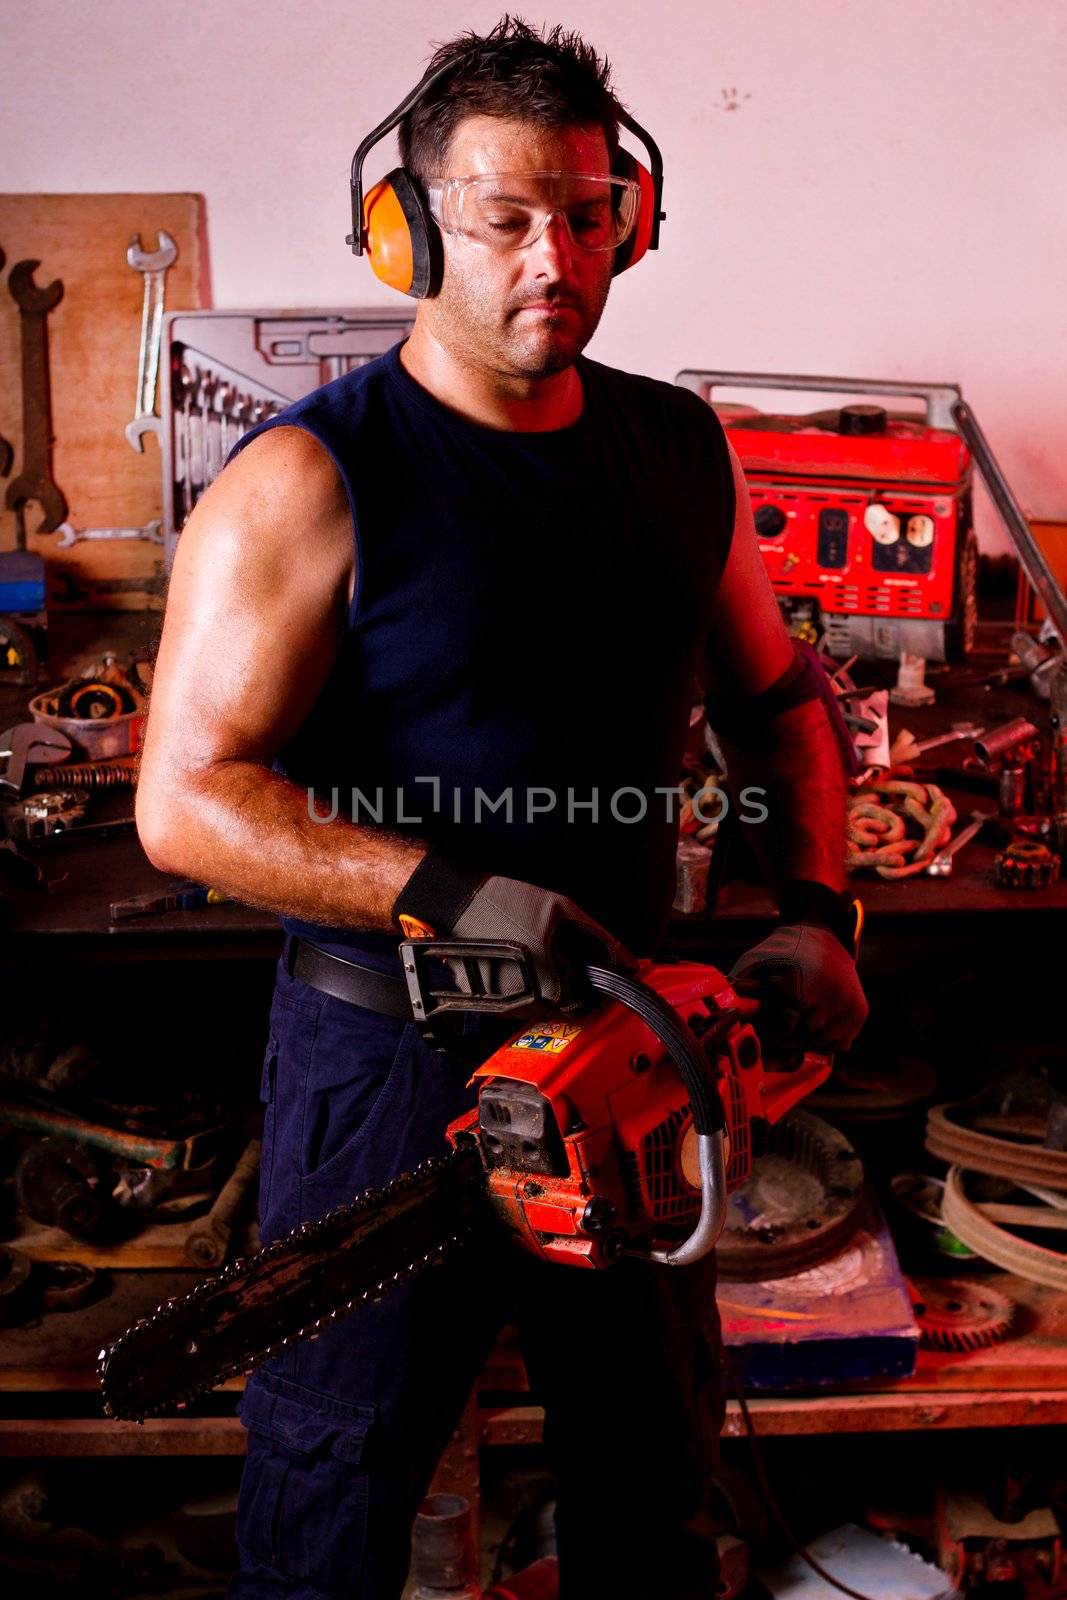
94 337
158 1245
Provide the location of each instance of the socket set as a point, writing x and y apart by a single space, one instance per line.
227 371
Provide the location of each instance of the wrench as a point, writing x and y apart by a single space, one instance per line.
152 531
35 481
941 865
961 730
154 265
7 455
26 744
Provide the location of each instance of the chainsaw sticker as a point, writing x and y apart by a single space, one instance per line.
551 1037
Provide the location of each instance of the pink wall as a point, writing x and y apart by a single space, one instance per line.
872 187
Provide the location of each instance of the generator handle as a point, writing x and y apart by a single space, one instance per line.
945 408
1030 553
940 398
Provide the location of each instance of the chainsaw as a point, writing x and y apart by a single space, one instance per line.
618 1132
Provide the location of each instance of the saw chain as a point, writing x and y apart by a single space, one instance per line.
293 1288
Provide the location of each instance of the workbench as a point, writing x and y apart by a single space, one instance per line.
921 935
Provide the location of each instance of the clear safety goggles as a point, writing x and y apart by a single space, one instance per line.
509 210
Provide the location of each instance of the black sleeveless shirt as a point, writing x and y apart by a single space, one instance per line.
514 680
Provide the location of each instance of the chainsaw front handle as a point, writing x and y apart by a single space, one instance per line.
709 1121
711 1154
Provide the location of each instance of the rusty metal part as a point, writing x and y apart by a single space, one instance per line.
878 816
1026 864
35 481
60 1184
1014 1150
114 774
28 744
208 1241
444 1560
66 1285
1014 739
14 1280
154 265
94 698
954 1314
984 1546
171 1193
19 661
98 737
1032 1261
802 1201
40 816
127 1145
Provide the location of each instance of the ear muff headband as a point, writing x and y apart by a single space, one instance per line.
394 228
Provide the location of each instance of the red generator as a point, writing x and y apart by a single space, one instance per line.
863 515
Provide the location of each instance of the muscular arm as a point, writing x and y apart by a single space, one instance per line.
795 757
255 611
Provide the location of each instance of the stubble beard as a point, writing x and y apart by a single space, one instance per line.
470 323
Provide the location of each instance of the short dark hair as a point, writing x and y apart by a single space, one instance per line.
552 77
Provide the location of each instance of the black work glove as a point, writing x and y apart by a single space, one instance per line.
558 935
806 980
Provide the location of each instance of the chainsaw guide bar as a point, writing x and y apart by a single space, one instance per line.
194 1342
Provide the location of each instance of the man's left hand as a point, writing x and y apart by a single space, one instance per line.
808 982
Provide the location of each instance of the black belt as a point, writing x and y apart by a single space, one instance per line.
347 980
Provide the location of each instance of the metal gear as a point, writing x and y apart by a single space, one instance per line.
1026 864
40 815
954 1314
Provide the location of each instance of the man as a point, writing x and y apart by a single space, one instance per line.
471 584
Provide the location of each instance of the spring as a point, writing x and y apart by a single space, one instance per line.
90 775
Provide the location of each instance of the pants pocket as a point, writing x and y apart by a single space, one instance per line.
305 1493
356 1064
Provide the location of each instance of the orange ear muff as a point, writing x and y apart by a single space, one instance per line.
629 253
401 237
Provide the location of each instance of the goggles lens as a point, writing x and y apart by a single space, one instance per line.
509 210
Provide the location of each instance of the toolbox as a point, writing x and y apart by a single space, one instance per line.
227 371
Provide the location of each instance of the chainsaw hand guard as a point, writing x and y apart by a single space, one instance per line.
428 1002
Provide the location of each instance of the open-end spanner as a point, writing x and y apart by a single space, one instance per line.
7 454
68 535
941 865
154 265
35 481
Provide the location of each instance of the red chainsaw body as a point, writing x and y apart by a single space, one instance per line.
584 1125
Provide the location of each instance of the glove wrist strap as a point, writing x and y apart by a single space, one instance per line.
435 897
805 900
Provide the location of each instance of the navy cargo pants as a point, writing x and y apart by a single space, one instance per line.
344 1433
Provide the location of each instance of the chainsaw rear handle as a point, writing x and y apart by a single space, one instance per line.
709 1120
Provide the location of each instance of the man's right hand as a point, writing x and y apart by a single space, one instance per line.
560 937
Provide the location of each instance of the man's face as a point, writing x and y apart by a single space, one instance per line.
527 312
